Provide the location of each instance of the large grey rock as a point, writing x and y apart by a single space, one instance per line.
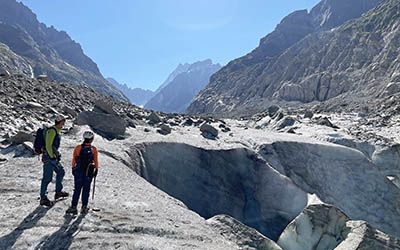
246 237
308 114
164 129
31 105
43 77
104 107
361 236
392 88
209 129
4 73
324 121
154 118
109 126
70 111
317 227
285 122
21 137
272 110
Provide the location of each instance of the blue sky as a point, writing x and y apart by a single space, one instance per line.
139 42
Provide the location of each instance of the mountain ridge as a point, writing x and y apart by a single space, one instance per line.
239 83
49 51
137 96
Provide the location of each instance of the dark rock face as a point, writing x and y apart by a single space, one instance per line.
176 96
302 60
47 50
136 96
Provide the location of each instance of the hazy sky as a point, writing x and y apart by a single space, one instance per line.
139 42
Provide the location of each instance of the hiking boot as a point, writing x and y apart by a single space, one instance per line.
60 195
72 210
84 210
44 201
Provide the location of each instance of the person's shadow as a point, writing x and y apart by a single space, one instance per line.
62 239
30 221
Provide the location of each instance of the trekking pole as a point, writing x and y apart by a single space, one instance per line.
94 188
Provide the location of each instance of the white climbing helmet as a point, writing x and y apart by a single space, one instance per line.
88 135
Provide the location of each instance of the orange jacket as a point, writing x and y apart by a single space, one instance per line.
77 151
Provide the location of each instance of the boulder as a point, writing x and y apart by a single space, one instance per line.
101 106
154 118
272 110
279 115
70 111
285 122
164 129
31 105
208 130
244 236
108 126
4 73
392 88
317 227
324 121
131 123
188 122
43 77
21 137
361 236
224 128
308 114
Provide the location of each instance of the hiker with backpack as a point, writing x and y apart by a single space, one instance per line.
48 142
85 166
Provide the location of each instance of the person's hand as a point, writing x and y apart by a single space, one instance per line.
57 155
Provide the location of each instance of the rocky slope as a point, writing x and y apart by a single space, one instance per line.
304 60
136 96
176 96
48 51
183 182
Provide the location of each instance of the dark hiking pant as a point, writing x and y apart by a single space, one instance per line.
82 185
48 168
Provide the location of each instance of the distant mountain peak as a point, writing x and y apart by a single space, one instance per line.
137 96
185 82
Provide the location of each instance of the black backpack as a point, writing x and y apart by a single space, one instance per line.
85 160
40 140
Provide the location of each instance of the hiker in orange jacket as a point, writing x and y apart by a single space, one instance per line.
85 166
